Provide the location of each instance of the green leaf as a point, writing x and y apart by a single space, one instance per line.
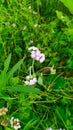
1 128
70 63
18 49
26 89
6 128
29 124
14 80
3 76
58 81
4 96
60 114
14 68
40 81
7 62
59 14
68 4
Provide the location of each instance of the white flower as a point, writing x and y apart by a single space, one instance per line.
25 27
42 58
15 123
26 82
30 80
28 77
35 25
33 48
14 25
35 80
34 12
16 127
49 129
29 7
31 41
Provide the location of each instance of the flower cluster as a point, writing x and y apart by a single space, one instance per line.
30 80
4 122
52 129
15 123
3 111
49 129
36 54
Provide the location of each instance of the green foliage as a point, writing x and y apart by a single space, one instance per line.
4 76
48 25
24 89
29 125
68 4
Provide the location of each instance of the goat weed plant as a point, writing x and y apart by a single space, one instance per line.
36 65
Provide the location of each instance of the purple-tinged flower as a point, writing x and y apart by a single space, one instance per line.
42 58
49 129
33 56
33 48
33 81
30 80
36 54
37 58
